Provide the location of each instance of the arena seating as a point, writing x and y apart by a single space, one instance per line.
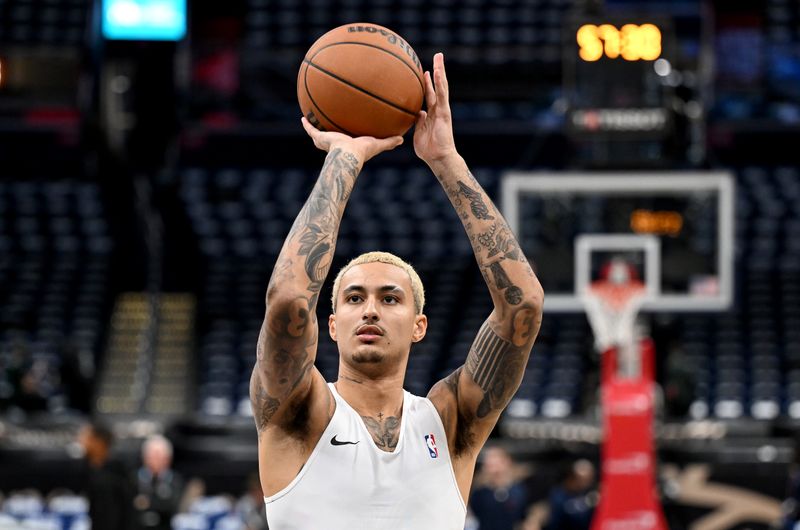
54 285
746 362
240 220
63 510
55 23
27 509
474 32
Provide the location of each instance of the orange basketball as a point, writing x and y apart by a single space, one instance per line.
361 79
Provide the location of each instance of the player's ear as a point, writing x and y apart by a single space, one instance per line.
420 328
332 326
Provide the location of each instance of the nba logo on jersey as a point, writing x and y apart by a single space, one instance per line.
430 441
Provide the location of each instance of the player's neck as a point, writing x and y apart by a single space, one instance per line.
369 396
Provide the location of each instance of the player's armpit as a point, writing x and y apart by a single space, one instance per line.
459 428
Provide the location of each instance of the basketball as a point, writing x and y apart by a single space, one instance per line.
363 80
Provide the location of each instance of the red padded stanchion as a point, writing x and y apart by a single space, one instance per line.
628 495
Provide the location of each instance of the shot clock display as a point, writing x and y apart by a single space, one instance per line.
612 86
659 222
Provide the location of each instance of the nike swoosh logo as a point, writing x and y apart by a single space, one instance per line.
334 441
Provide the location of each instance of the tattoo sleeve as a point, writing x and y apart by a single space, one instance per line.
287 343
498 356
496 365
504 267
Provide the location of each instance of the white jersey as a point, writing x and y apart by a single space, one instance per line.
349 484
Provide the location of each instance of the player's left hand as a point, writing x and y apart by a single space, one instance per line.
433 133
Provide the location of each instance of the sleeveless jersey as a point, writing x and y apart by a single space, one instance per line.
349 484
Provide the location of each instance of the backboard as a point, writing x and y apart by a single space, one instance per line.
678 228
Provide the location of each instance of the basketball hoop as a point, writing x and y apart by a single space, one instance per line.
612 308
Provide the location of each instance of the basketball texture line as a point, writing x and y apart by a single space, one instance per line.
321 112
368 45
362 90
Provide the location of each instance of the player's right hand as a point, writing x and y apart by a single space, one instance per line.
363 147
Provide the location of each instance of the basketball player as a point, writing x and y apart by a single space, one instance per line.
361 453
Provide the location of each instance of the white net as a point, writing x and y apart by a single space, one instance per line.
612 309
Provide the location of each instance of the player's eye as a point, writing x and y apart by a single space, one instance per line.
390 299
354 298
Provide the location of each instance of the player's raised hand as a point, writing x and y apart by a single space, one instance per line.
433 133
363 147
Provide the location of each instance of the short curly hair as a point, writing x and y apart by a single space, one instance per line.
383 257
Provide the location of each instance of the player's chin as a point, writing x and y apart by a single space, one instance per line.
368 355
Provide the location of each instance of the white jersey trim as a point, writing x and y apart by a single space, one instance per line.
449 456
307 464
363 427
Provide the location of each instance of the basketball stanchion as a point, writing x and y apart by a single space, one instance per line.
628 495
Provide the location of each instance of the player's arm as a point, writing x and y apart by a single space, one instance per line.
287 344
483 386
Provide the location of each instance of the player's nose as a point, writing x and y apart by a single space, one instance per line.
370 310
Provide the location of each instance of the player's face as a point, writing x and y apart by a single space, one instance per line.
375 317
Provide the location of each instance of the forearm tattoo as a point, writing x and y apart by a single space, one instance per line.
476 204
286 349
317 226
496 365
491 238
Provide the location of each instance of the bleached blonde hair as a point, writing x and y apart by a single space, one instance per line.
383 257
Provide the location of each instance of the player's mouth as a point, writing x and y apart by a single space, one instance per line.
369 333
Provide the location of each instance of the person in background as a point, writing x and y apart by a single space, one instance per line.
790 509
159 488
680 381
29 381
501 502
77 377
572 502
251 505
108 487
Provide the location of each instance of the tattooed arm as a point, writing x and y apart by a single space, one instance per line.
482 388
287 343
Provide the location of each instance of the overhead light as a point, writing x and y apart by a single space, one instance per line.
662 67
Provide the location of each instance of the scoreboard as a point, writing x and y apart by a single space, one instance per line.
615 77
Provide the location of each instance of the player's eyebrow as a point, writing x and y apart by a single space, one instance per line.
383 288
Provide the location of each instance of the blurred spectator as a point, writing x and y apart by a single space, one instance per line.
33 387
108 486
500 502
159 488
77 373
679 384
27 383
22 382
791 506
251 506
572 502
